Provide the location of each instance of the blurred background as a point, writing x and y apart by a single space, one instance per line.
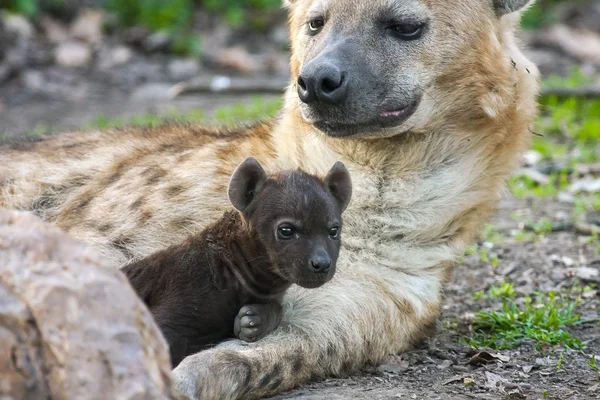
65 64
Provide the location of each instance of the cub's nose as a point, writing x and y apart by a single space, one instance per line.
320 263
323 82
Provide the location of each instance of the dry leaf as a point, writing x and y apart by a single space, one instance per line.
527 368
483 357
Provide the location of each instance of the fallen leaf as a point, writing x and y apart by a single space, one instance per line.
494 381
456 378
445 364
468 381
396 368
527 368
585 273
594 388
483 357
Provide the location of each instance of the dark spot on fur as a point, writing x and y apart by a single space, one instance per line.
121 243
82 204
181 222
136 204
271 377
184 157
146 215
174 190
331 350
113 178
297 363
155 176
105 228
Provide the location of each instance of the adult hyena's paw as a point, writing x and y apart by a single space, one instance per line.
213 374
251 323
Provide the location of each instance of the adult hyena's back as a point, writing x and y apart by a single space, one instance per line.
128 192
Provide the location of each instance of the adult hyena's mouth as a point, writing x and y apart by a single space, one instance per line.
384 118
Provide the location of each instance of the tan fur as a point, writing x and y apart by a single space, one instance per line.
421 192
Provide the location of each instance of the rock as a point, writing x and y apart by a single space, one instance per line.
156 42
589 185
581 44
17 25
121 55
72 54
151 92
54 31
531 158
182 69
238 59
5 72
109 58
88 26
71 327
33 80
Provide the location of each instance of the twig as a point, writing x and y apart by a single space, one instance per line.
225 84
584 91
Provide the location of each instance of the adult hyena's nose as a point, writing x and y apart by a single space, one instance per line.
322 81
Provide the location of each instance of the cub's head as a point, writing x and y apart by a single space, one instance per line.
378 68
296 216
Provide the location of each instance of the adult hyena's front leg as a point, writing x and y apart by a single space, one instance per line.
330 331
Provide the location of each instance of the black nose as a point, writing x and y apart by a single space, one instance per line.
324 83
320 263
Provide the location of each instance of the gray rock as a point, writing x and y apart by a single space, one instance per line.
181 69
156 41
72 54
71 327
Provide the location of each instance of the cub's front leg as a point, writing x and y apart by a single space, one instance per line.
255 321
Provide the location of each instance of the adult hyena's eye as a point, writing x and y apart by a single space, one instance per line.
408 31
315 25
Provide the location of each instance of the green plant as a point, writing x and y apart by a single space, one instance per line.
505 291
235 11
28 8
592 364
541 321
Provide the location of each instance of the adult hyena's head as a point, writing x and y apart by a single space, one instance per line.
378 68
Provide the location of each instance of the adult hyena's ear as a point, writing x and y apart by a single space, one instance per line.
339 184
246 181
504 7
289 3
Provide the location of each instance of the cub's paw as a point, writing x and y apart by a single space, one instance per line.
248 325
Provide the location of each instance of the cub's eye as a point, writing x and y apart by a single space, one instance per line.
286 232
407 31
334 233
315 25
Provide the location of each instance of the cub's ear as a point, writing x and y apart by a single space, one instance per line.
246 180
339 184
504 7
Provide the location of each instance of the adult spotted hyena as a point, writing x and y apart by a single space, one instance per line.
427 102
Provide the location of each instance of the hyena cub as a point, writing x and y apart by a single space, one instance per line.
229 279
